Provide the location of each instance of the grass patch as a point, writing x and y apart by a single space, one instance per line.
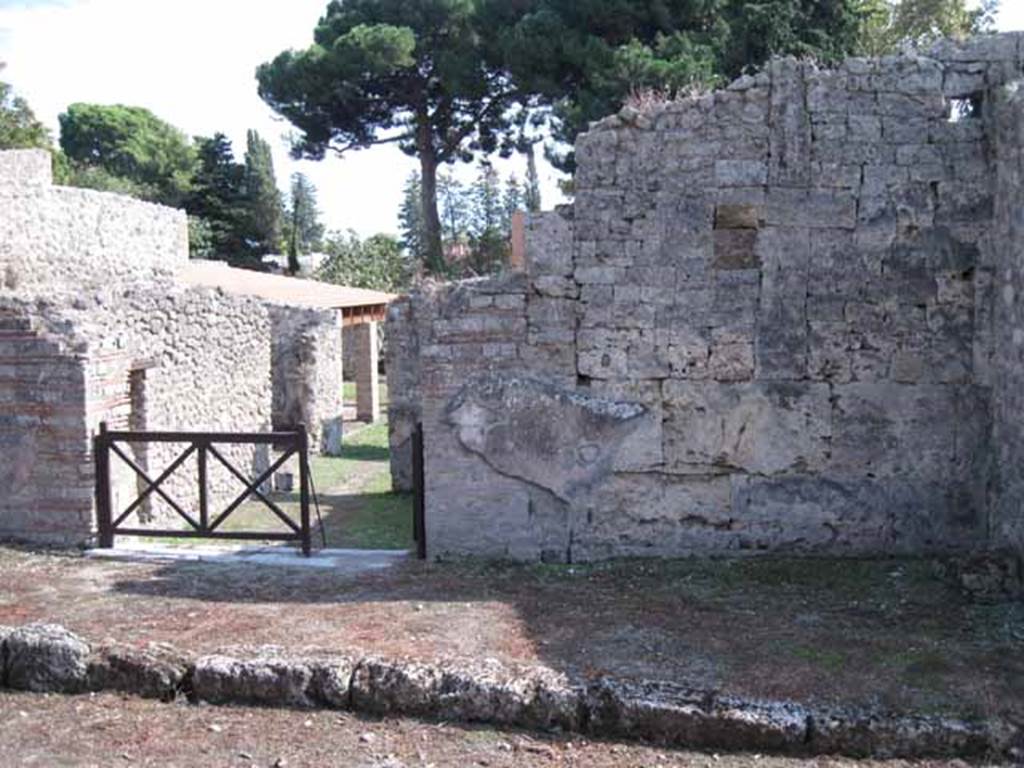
358 507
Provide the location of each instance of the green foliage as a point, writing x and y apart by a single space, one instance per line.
888 24
262 198
201 241
19 128
303 230
422 74
377 263
410 220
476 221
127 149
584 58
217 203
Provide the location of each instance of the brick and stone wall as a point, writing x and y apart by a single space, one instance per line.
93 328
143 357
766 324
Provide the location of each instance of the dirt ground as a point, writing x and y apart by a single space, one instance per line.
108 731
887 633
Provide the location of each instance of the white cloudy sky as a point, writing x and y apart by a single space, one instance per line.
192 62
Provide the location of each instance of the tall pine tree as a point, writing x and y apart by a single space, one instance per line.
304 230
216 203
410 221
262 197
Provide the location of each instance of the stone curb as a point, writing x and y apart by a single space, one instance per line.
49 658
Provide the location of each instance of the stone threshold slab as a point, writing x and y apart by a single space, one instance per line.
346 561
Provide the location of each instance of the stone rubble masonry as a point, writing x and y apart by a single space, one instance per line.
48 658
52 236
93 327
307 374
809 281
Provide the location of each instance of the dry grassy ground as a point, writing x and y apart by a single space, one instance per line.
887 632
111 731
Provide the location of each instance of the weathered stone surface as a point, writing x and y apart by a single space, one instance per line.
484 691
562 441
764 428
736 249
46 658
862 734
676 715
270 679
153 672
332 681
830 233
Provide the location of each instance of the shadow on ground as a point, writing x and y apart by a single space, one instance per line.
889 633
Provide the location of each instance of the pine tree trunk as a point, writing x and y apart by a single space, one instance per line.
433 250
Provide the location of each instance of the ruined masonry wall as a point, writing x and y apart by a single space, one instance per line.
794 277
1008 326
160 357
306 371
93 328
52 236
47 471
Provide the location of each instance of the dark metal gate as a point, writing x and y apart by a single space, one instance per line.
418 494
204 446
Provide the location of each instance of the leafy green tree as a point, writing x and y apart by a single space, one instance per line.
19 127
584 59
217 201
201 241
377 263
304 230
422 74
262 198
889 24
112 146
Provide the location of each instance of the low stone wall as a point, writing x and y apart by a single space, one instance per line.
48 658
766 324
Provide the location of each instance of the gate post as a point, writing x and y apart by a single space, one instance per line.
101 462
419 494
302 439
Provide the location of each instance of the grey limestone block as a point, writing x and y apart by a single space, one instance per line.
46 658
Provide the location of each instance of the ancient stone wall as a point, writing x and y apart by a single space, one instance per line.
764 325
48 464
307 370
154 357
403 378
1008 320
93 328
51 236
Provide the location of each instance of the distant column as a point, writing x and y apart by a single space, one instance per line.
367 384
